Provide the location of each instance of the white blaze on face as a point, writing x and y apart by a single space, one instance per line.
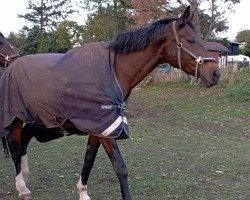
82 191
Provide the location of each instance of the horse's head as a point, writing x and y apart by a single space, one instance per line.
6 52
186 50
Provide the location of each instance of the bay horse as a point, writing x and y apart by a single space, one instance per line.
7 53
39 94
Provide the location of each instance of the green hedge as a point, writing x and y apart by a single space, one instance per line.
240 90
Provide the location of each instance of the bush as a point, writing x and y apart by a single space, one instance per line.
240 90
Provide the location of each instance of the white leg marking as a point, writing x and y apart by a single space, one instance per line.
21 186
82 190
24 166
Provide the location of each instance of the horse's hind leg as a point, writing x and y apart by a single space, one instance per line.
91 151
112 150
18 145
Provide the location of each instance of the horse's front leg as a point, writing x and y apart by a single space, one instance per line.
18 143
112 150
91 151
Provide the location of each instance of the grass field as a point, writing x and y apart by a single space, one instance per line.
187 143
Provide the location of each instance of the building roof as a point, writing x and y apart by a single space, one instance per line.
216 46
234 42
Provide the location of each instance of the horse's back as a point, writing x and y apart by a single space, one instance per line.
36 61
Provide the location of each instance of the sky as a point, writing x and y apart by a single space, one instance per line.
9 21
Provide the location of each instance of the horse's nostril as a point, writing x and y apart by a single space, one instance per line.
216 74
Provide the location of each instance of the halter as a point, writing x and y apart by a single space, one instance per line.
198 59
8 58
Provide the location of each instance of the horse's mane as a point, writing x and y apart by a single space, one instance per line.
139 39
1 35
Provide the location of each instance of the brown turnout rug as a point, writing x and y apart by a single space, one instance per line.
79 86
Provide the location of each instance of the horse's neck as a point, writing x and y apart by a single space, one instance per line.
132 68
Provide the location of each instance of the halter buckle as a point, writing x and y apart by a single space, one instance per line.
179 45
8 58
199 60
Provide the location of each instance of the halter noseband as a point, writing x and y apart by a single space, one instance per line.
8 58
198 59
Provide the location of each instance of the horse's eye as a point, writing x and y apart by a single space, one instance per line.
1 43
191 40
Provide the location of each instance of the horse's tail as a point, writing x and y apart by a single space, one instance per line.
6 144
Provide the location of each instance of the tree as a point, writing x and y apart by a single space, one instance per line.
31 41
246 50
16 39
47 33
60 40
70 31
213 8
209 20
106 22
95 4
48 43
146 11
243 35
47 13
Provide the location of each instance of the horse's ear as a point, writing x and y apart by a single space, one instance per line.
185 15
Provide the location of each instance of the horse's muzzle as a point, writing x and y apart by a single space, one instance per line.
215 77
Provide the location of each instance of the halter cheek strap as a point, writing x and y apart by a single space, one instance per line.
8 58
198 59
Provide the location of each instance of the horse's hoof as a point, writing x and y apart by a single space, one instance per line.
85 197
25 197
